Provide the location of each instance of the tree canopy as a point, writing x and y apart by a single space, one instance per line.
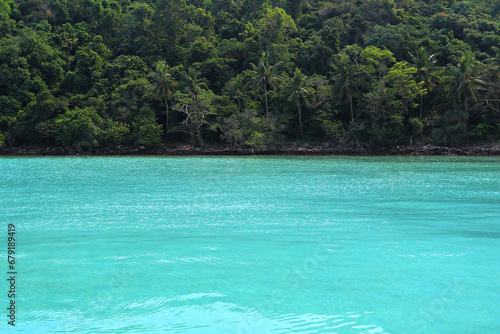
90 73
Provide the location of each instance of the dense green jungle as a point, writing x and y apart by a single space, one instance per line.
249 73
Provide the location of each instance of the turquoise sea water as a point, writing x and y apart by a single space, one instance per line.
253 244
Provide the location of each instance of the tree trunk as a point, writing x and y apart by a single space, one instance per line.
352 109
466 109
265 95
166 121
421 103
466 102
200 139
300 118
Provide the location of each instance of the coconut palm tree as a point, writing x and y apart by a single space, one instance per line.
348 78
163 85
264 75
299 87
465 80
193 81
425 71
237 91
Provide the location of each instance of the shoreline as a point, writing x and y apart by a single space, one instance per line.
293 149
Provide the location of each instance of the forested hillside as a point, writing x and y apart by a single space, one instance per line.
249 73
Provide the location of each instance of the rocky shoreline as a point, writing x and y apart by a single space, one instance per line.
292 149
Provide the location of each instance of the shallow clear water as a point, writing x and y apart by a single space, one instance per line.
253 244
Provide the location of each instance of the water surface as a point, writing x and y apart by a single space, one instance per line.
254 244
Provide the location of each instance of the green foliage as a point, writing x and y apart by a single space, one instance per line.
35 122
115 133
237 91
62 60
376 60
163 85
416 125
465 80
332 128
399 39
483 132
348 78
264 75
197 106
129 99
314 55
426 71
6 23
275 26
44 60
91 60
402 89
149 134
144 130
389 102
453 129
79 128
297 91
247 128
123 69
380 11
